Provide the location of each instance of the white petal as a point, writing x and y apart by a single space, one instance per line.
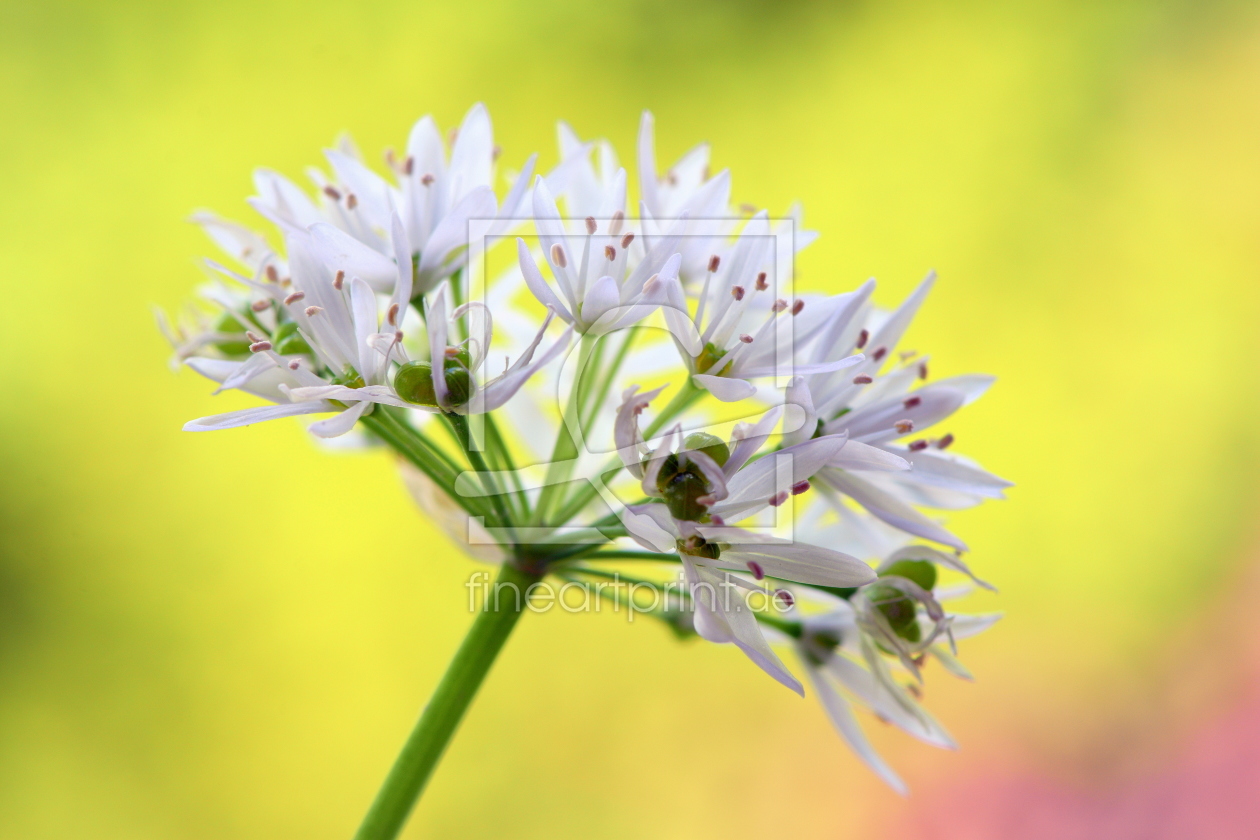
846 724
725 388
248 416
890 509
339 423
342 252
602 296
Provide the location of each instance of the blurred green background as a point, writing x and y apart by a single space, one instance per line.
228 635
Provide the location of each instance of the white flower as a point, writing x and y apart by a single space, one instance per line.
879 410
349 219
607 281
842 651
736 332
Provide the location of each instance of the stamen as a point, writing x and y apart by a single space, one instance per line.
351 201
880 352
779 305
747 209
672 178
785 597
626 240
757 572
913 402
714 262
944 442
259 346
271 273
390 159
923 370
339 280
392 317
778 498
905 427
908 354
591 227
557 255
746 338
259 305
610 252
614 226
918 446
427 179
312 311
863 337
737 292
911 687
294 298
409 166
333 193
762 285
295 364
253 336
286 282
496 151
800 487
797 306
714 519
862 379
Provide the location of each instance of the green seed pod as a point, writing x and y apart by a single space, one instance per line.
669 469
681 493
286 340
710 356
710 445
898 608
922 572
698 547
414 383
228 324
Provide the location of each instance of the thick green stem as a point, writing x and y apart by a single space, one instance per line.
459 425
424 747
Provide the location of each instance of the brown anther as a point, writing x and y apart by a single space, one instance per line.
914 689
904 427
923 370
912 402
714 519
294 298
557 255
392 316
610 252
626 240
591 227
254 337
398 336
786 597
918 446
295 364
714 262
737 292
863 337
351 201
312 311
880 352
409 166
496 151
762 284
862 379
286 282
671 178
779 305
614 224
258 346
427 179
339 280
944 442
391 160
746 338
757 572
259 305
906 355
747 209
797 306
452 352
333 193
800 487
778 498
271 273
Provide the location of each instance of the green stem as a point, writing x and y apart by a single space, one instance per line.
407 444
428 740
566 448
459 425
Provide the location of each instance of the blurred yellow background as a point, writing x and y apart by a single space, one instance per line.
229 635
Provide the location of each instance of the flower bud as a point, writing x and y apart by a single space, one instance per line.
414 383
710 445
286 340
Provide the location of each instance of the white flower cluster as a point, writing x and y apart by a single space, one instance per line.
372 310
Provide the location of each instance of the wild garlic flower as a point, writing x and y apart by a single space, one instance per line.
868 650
737 331
349 218
886 412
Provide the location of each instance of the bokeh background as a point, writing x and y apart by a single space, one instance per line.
228 635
